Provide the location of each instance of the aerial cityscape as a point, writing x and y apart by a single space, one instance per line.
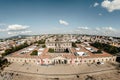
59 39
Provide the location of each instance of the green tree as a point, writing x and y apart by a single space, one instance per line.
35 52
78 41
106 47
74 44
66 50
16 48
41 41
99 51
51 50
44 46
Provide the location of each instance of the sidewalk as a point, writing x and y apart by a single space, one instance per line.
58 69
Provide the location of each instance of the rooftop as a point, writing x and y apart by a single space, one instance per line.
81 49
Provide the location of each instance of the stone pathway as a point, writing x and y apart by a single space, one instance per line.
58 69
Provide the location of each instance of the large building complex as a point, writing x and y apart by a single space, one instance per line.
83 53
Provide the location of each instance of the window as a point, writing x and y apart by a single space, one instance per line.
106 59
29 60
109 59
76 61
113 59
34 60
89 60
102 60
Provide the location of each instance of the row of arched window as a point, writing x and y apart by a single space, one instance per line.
103 60
90 61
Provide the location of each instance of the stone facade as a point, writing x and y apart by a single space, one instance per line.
61 60
58 44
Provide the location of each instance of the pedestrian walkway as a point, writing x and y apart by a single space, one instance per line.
56 70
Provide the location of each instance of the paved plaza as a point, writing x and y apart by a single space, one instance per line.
17 71
58 70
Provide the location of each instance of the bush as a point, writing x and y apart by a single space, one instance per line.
35 52
106 47
66 50
99 51
14 49
44 46
78 42
41 41
51 50
73 44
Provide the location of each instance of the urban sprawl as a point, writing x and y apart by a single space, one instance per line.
60 49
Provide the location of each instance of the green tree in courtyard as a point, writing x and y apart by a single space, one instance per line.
35 52
44 46
51 50
74 44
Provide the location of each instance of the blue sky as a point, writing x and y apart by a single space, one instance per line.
101 17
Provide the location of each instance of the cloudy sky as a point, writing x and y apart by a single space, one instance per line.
101 17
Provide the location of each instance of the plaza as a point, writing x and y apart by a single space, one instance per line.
60 71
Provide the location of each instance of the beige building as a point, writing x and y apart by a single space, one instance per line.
61 60
59 44
80 55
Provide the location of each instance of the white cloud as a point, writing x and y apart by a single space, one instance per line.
100 14
109 29
12 33
97 28
63 22
111 5
83 28
25 32
106 31
18 32
56 28
17 27
96 4
3 30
